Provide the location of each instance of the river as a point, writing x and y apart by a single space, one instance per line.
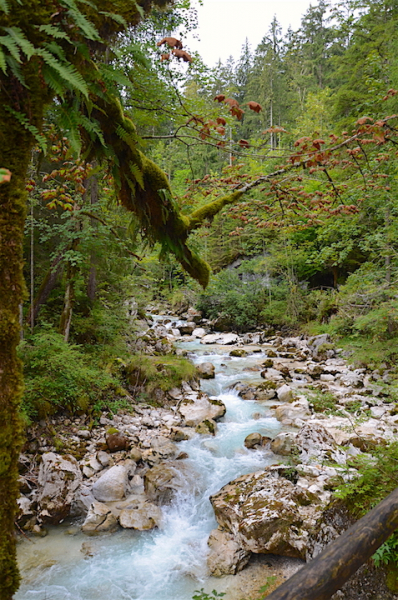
168 563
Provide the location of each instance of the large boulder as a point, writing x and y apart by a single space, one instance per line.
288 413
284 443
197 407
225 557
112 485
267 513
284 393
58 480
206 370
223 339
315 443
140 515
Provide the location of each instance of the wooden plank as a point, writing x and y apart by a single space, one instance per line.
327 573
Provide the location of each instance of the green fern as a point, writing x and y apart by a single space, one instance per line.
4 6
3 64
117 18
16 70
54 32
24 121
20 39
137 174
69 74
12 47
85 26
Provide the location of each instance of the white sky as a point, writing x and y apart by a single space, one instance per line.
225 24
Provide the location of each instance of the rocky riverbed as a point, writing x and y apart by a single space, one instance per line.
127 471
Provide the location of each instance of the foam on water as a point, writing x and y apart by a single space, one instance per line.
167 563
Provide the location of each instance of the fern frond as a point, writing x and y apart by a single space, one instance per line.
137 174
126 136
111 75
117 18
20 39
24 121
4 6
92 127
12 47
69 121
68 73
85 26
16 70
52 79
3 64
54 32
56 50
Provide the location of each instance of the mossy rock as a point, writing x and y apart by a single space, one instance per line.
267 385
268 364
271 354
238 352
111 431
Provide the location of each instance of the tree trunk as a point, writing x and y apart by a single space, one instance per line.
15 152
47 286
92 277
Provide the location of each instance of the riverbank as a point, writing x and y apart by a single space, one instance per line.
140 470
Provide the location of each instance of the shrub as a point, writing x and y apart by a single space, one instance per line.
58 376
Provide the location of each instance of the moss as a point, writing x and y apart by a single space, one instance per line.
112 431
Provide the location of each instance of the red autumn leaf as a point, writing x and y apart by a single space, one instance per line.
317 144
232 102
236 112
171 42
244 144
254 106
165 57
362 121
182 54
220 130
219 98
221 121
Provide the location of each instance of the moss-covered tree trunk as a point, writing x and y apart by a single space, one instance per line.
16 145
15 155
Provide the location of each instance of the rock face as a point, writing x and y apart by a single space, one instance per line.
206 370
112 485
267 513
59 479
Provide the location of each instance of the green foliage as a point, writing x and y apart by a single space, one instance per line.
148 373
324 402
59 377
240 304
202 595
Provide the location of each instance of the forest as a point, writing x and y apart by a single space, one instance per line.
261 191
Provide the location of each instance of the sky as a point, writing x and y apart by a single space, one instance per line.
225 24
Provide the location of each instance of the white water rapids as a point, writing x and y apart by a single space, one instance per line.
168 563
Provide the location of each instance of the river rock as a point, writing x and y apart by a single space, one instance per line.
206 370
163 481
284 443
199 332
112 485
317 344
187 328
226 557
164 447
284 393
117 442
207 427
58 480
288 413
253 440
100 519
140 515
267 513
223 339
197 407
266 390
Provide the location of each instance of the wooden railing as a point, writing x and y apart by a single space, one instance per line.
327 573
